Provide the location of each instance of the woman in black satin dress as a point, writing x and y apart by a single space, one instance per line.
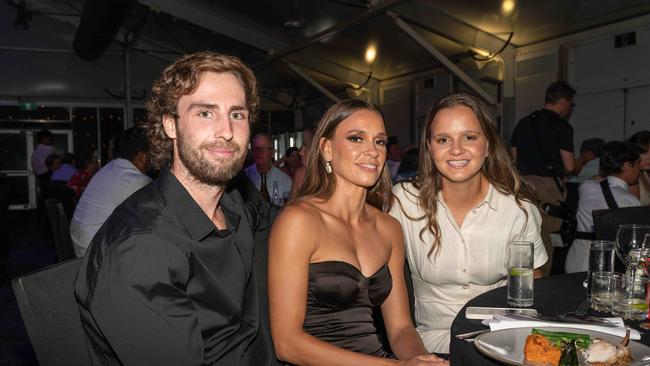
334 255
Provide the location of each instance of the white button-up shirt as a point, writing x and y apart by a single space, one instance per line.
471 259
274 175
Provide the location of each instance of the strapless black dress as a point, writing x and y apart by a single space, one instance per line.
340 302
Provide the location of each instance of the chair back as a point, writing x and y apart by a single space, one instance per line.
50 314
59 224
606 222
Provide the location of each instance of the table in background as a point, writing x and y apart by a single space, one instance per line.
553 295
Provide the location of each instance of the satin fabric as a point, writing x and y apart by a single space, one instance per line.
340 303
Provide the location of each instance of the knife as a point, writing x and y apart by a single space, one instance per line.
564 319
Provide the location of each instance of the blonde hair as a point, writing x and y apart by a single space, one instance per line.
183 78
318 183
498 167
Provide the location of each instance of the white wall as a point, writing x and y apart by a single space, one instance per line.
613 85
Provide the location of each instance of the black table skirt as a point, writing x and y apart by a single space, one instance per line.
553 295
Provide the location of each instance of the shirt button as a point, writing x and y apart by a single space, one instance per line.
464 270
474 212
465 287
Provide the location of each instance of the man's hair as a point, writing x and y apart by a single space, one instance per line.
261 135
615 155
183 78
594 145
290 150
43 134
392 140
67 158
130 142
559 90
51 159
642 140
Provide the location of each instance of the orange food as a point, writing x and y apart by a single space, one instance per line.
539 350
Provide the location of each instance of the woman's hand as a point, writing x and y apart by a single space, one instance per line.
424 360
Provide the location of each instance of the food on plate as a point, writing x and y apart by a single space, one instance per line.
539 349
561 349
569 355
603 353
559 339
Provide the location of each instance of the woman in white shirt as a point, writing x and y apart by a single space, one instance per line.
459 214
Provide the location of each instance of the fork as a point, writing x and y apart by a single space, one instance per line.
582 309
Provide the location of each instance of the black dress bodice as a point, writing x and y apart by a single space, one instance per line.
340 302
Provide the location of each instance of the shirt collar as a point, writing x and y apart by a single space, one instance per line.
490 199
617 182
197 223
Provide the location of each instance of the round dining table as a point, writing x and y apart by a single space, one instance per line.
553 295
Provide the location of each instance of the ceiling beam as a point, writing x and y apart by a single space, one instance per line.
336 28
442 58
231 25
312 81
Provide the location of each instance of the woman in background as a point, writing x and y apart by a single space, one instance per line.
459 214
334 255
642 190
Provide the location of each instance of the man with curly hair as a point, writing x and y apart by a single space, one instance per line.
169 279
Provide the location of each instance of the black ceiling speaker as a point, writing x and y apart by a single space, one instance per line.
99 24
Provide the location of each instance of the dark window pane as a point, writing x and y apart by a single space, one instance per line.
18 192
13 151
34 112
111 124
84 122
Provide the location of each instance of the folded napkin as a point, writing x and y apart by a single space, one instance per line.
505 322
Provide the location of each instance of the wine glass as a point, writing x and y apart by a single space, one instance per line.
629 243
646 268
630 248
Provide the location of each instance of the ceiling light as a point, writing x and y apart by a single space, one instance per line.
371 54
507 6
481 52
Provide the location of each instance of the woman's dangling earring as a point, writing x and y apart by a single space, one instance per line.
328 167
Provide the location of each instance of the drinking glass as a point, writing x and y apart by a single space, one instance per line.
601 259
630 248
519 259
606 286
632 305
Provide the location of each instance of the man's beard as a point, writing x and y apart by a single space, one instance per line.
214 173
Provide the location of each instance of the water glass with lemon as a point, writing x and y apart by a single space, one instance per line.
519 259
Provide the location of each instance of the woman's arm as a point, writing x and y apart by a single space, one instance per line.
294 238
404 340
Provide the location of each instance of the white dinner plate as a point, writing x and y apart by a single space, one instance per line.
507 345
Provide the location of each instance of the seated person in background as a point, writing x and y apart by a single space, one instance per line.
53 163
291 161
459 214
263 170
334 255
394 157
112 184
67 169
80 179
299 174
642 190
589 160
620 165
408 168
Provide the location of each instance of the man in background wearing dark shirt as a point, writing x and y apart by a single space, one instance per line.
542 146
169 278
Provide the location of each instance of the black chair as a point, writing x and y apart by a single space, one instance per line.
50 314
606 222
59 224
